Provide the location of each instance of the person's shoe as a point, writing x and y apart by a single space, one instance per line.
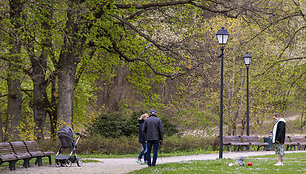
278 164
139 161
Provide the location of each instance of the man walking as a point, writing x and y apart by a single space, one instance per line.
153 128
279 131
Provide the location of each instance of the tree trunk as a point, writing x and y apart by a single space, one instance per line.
68 61
39 65
14 87
40 102
66 80
13 108
52 112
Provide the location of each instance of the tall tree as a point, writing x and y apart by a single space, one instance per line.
13 80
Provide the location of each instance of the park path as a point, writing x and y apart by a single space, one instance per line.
125 165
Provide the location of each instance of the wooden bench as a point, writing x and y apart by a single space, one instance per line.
253 141
299 140
234 141
21 152
34 151
289 144
7 155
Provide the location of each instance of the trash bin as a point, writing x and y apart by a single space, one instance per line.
268 140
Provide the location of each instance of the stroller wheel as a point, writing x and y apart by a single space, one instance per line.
57 163
69 163
79 162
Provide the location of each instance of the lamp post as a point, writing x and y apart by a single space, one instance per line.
247 60
222 36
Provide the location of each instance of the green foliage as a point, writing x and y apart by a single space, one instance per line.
168 126
97 144
119 124
110 125
118 48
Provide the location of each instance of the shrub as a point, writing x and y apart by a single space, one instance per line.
103 145
117 124
129 145
110 125
169 128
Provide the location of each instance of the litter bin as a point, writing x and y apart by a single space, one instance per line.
269 141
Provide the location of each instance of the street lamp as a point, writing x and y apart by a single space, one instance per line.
222 36
247 60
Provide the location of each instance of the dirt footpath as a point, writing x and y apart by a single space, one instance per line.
125 165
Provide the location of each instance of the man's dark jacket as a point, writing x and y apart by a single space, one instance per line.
153 128
281 132
142 135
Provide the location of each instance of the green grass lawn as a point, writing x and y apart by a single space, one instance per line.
294 163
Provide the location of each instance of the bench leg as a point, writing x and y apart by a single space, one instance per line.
50 160
26 163
248 148
38 161
258 148
12 165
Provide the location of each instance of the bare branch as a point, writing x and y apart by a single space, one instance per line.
273 23
293 36
154 4
4 95
277 62
141 33
144 7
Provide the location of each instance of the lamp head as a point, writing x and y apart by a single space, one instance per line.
247 59
222 36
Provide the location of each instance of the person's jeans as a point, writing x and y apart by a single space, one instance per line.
155 145
143 152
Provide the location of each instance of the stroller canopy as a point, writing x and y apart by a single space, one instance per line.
66 135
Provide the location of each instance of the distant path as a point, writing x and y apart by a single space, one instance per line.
125 165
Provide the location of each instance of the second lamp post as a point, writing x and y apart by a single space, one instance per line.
247 60
222 36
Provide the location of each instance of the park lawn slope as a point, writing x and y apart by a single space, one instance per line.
293 164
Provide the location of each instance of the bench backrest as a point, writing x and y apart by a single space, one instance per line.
249 139
32 146
6 152
231 139
5 148
299 139
33 149
19 147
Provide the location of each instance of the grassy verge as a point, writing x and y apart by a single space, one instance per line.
294 163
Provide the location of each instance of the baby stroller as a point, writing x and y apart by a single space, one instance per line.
66 136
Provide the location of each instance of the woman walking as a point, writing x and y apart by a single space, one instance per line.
142 138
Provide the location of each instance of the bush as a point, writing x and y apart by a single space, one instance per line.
169 128
110 125
177 143
129 145
103 145
116 125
